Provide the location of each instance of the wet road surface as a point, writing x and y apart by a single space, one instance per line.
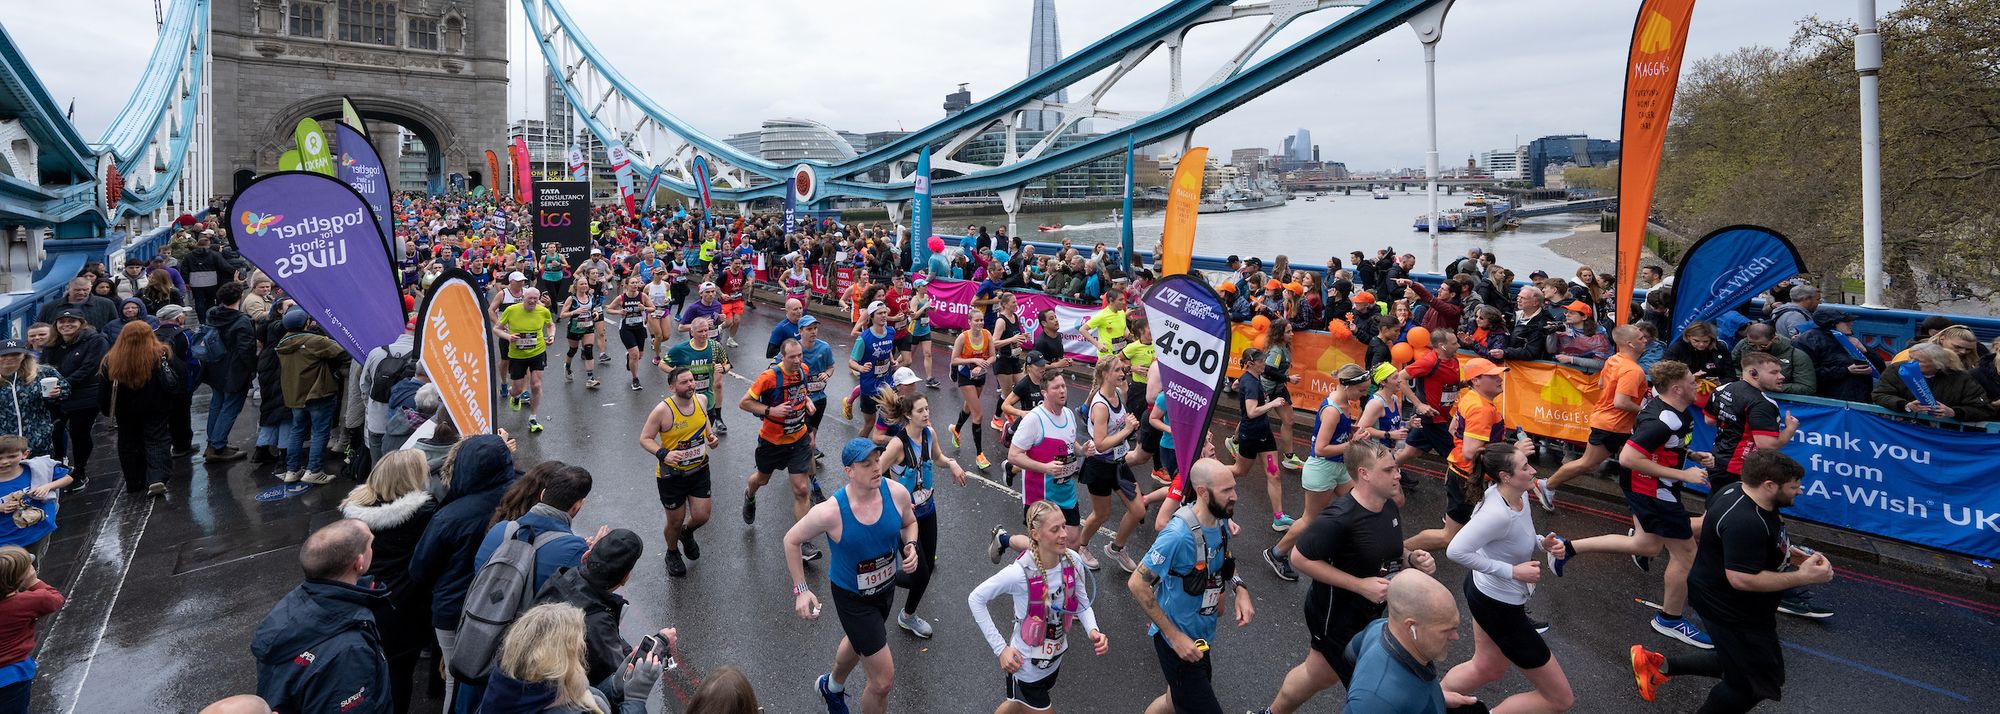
165 593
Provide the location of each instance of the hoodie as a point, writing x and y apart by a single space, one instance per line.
309 367
118 323
232 373
320 650
1798 368
604 647
443 558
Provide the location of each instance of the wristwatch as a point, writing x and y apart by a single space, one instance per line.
800 589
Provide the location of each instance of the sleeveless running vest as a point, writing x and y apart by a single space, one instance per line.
864 560
880 351
915 472
688 431
978 343
1391 420
1112 424
1340 429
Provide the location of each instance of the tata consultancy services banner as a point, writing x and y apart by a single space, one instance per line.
318 239
562 217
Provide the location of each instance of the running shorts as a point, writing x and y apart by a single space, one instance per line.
1614 443
1190 685
1321 475
962 375
1666 519
519 367
633 336
1457 508
904 342
1033 695
676 487
864 618
1508 626
1101 477
1006 365
1255 443
732 308
1434 437
795 457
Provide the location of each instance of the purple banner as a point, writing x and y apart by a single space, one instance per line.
318 239
1191 343
360 167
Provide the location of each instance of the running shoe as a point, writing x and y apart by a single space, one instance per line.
999 423
1280 564
534 425
688 546
996 544
1543 494
836 702
721 428
818 496
1556 564
931 383
954 436
527 398
916 625
809 552
1118 555
847 408
733 343
1089 560
1646 671
675 566
514 404
635 384
1281 523
1293 462
592 383
1229 444
1161 476
1802 606
604 358
156 489
750 511
1644 562
984 464
1682 630
568 376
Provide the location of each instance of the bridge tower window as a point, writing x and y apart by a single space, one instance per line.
423 33
368 21
307 20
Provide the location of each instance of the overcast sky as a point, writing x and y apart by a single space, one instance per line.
1508 70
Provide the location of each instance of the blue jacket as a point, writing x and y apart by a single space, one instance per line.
562 553
444 556
319 650
1387 680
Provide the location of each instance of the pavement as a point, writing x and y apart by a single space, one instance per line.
166 593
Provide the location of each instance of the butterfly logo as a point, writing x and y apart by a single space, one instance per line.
346 160
254 224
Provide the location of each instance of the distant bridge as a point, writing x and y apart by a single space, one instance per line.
1399 184
1577 206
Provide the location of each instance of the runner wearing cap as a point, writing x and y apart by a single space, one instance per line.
630 308
1622 393
817 359
883 428
708 304
873 361
504 296
871 528
920 330
708 361
1475 422
1021 399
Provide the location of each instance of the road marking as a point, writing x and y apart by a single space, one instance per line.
1926 686
119 511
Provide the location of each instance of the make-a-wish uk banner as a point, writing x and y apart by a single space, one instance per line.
319 240
1891 478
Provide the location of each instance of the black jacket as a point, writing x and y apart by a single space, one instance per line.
1955 389
397 526
320 650
1530 338
97 310
271 409
233 372
1716 360
205 260
1830 362
78 362
603 648
444 555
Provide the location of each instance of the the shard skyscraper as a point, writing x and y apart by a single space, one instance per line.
1044 50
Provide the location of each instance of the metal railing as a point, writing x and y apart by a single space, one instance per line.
62 265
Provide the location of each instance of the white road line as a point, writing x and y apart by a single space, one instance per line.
115 513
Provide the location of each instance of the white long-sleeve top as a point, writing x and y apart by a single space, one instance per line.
1012 580
1496 539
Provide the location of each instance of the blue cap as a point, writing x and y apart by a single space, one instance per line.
807 321
857 450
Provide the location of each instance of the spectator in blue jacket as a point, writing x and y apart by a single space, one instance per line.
320 648
480 468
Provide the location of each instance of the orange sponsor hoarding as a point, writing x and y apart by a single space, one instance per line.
1183 204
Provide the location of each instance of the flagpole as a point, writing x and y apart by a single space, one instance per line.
1868 62
1125 231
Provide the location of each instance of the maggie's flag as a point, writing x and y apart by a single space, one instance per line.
1652 72
1183 204
452 346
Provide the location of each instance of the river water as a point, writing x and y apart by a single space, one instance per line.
1311 231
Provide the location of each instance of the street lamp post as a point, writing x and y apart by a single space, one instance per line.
1868 62
1429 26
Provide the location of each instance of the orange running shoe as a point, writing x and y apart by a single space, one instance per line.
1646 672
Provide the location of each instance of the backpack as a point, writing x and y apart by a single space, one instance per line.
502 589
206 345
391 369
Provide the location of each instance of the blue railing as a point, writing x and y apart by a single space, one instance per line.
66 258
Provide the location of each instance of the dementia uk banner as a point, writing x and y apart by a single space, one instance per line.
1191 340
319 240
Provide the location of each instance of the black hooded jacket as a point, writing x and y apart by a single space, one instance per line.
480 474
320 650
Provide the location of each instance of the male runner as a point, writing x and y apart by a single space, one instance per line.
677 434
1181 588
1436 382
817 359
1475 422
778 396
1658 463
734 283
1747 421
786 329
708 361
1350 551
630 308
1737 580
872 530
709 306
527 327
505 296
1622 385
1049 445
897 298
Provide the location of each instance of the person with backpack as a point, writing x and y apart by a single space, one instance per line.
320 648
385 367
481 468
172 332
514 560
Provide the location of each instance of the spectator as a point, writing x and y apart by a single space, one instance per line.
319 649
480 469
77 350
592 587
1580 344
1529 339
206 270
724 691
26 408
1467 264
1797 367
129 310
172 332
377 386
562 489
274 420
132 280
1658 310
1650 276
97 311
1704 355
1985 371
1796 317
1843 367
24 598
139 379
1441 311
160 292
396 508
309 366
1488 333
540 668
1395 658
1957 394
228 377
1655 349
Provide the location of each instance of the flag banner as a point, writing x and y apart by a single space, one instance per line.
1315 357
562 217
454 346
319 240
361 168
1183 204
577 167
1919 385
699 170
493 178
1725 269
314 154
653 187
1652 71
621 164
524 179
791 206
1190 341
289 161
1549 400
920 209
350 117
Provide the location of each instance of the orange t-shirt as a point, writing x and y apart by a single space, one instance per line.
792 393
1620 375
1474 417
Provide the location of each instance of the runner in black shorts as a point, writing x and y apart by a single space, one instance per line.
1007 362
1497 547
1254 442
677 434
629 308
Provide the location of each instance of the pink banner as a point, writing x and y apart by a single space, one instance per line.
524 178
952 304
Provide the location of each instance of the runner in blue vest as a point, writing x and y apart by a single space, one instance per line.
873 361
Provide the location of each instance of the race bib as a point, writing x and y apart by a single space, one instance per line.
1210 600
584 323
873 576
1449 396
1054 643
525 343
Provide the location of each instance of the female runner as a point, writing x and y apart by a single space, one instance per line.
1109 471
1325 476
582 310
659 324
909 456
1047 585
920 330
1498 547
1007 339
971 359
631 307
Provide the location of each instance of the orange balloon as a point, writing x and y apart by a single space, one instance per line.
1260 324
1420 338
1400 354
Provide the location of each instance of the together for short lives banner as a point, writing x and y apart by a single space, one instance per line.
318 239
454 346
360 167
1864 472
1190 336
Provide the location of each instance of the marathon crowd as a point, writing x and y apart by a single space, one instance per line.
451 553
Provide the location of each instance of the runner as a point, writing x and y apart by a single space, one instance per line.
1007 340
1277 381
527 327
554 269
631 308
1658 463
873 361
817 360
1106 329
1737 580
1498 549
677 292
735 286
1181 591
1747 421
1475 422
971 359
505 296
1623 392
920 330
1324 476
1436 388
1047 585
796 279
1049 447
1049 340
778 396
897 297
708 304
908 457
872 530
582 310
658 322
1140 354
676 433
708 361
1390 412
1109 471
1021 400
1254 443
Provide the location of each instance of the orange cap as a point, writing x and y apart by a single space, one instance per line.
1364 296
1480 367
1274 285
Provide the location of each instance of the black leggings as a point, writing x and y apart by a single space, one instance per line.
919 580
143 449
77 426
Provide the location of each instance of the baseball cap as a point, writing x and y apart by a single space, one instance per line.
72 313
1035 358
597 251
1578 306
1480 367
1364 296
613 557
705 287
295 320
172 312
905 375
877 305
516 277
919 282
808 321
12 346
857 450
